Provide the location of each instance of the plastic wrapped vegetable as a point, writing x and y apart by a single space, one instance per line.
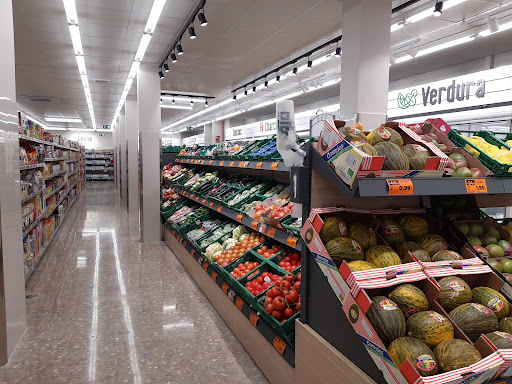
239 231
211 249
287 137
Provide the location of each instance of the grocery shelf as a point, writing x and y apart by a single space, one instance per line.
276 234
39 165
28 138
72 161
253 164
60 201
27 198
266 331
50 159
55 191
26 232
54 175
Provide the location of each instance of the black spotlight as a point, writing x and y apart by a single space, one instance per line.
254 89
234 97
338 52
310 64
202 19
161 75
173 57
266 84
294 71
166 67
192 32
278 79
179 49
438 9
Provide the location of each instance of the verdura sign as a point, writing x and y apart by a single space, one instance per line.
433 95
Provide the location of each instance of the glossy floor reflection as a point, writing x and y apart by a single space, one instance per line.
111 310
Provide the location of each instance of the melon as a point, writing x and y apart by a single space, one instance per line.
410 299
359 265
343 248
454 292
333 227
387 319
506 325
501 340
352 134
394 158
365 147
417 352
382 256
413 226
446 256
363 234
416 249
474 319
454 354
432 243
417 155
430 327
392 233
493 300
385 135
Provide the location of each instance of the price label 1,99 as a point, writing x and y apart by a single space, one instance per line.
400 187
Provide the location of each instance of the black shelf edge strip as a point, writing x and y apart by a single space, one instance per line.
263 165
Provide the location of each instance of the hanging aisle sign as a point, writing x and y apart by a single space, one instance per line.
460 93
262 129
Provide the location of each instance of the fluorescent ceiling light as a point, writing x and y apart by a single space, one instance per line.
63 119
56 129
452 3
180 98
134 69
396 26
75 39
448 44
81 65
85 81
143 46
173 106
70 8
81 129
419 16
154 15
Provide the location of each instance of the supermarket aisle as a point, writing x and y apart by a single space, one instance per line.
111 310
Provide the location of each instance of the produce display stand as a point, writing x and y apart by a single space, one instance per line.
76 186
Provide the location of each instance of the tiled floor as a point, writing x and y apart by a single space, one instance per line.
111 310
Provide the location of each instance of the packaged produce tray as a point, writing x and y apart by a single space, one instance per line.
499 169
251 199
287 226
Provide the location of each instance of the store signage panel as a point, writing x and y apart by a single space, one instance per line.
262 129
480 88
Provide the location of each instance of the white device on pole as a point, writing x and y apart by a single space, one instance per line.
287 137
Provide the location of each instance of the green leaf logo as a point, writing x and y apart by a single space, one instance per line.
408 100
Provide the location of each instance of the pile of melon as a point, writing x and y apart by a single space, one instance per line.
388 143
410 331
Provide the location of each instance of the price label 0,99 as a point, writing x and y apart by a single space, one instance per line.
400 187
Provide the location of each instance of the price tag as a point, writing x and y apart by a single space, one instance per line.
210 205
259 165
203 202
225 287
400 187
179 237
214 276
184 243
231 163
173 233
241 164
210 162
192 196
197 199
239 217
219 208
254 318
254 224
292 241
279 345
273 166
193 252
239 303
202 162
205 266
221 163
476 186
271 232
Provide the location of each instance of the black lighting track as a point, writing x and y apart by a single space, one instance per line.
171 94
200 5
404 5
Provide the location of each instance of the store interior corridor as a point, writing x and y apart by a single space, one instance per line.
104 308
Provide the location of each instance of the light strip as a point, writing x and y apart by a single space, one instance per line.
63 119
149 29
56 129
74 31
180 98
171 106
81 129
429 11
448 44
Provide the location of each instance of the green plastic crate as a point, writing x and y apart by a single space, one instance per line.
496 167
276 259
289 228
269 244
239 285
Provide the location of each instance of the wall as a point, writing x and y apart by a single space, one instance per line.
93 139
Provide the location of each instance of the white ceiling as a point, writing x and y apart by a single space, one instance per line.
243 39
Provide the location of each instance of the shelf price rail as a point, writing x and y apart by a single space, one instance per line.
274 233
266 331
253 164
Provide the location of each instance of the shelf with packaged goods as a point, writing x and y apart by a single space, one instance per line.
264 165
265 330
31 166
378 187
28 138
60 201
72 161
50 159
54 175
27 198
41 253
54 191
276 234
34 223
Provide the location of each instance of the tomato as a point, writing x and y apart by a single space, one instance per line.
269 309
296 286
278 315
279 303
287 259
288 312
292 296
268 300
273 292
289 277
298 277
297 307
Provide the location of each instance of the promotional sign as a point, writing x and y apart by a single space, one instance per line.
456 93
262 129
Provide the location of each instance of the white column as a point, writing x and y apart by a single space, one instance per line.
217 132
12 282
132 133
115 134
208 137
148 101
365 60
123 159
